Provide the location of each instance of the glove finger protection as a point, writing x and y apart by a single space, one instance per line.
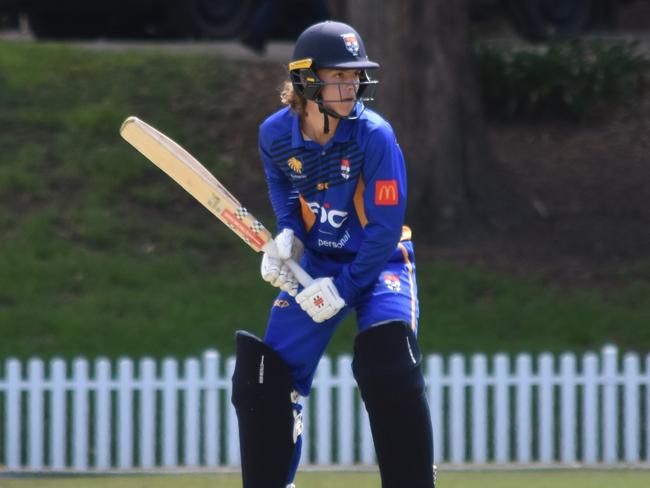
270 268
288 281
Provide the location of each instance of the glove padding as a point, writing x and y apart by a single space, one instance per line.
273 268
321 300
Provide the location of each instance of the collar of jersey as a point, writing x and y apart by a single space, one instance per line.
342 134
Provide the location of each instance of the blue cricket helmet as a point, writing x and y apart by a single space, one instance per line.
333 45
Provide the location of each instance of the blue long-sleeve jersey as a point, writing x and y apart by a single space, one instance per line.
345 200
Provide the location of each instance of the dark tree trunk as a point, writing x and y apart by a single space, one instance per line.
428 91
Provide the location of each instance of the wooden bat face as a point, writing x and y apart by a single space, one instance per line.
189 173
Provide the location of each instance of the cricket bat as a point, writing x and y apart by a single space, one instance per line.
189 173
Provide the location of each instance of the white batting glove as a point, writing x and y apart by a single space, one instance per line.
273 268
321 300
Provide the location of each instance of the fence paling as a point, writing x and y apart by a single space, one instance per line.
142 417
610 418
13 442
501 407
211 410
80 415
479 424
125 409
590 429
323 408
434 368
103 414
35 415
567 409
147 413
192 413
170 413
631 401
524 415
345 424
232 451
58 424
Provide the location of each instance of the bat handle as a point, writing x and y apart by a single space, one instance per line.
301 275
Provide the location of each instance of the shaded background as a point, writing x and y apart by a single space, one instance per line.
527 162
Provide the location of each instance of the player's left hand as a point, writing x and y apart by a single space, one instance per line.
321 300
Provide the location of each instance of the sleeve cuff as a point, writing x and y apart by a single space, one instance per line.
342 283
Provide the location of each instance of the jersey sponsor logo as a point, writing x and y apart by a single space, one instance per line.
333 217
281 303
295 164
351 43
392 282
386 192
322 186
340 244
345 169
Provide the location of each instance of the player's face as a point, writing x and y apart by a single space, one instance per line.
340 90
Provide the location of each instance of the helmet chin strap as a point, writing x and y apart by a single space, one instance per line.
327 113
326 119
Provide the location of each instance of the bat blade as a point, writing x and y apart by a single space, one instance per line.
190 174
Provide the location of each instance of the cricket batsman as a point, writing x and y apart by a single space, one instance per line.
337 182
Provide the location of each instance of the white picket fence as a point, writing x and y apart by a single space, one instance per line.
530 410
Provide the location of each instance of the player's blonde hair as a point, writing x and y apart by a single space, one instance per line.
289 96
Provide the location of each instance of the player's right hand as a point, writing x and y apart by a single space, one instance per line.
273 268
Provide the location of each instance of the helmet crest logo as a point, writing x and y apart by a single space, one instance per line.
351 43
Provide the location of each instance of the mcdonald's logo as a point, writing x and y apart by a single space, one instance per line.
386 192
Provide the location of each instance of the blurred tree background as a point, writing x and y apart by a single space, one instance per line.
431 95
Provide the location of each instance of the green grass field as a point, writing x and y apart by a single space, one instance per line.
492 479
101 254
